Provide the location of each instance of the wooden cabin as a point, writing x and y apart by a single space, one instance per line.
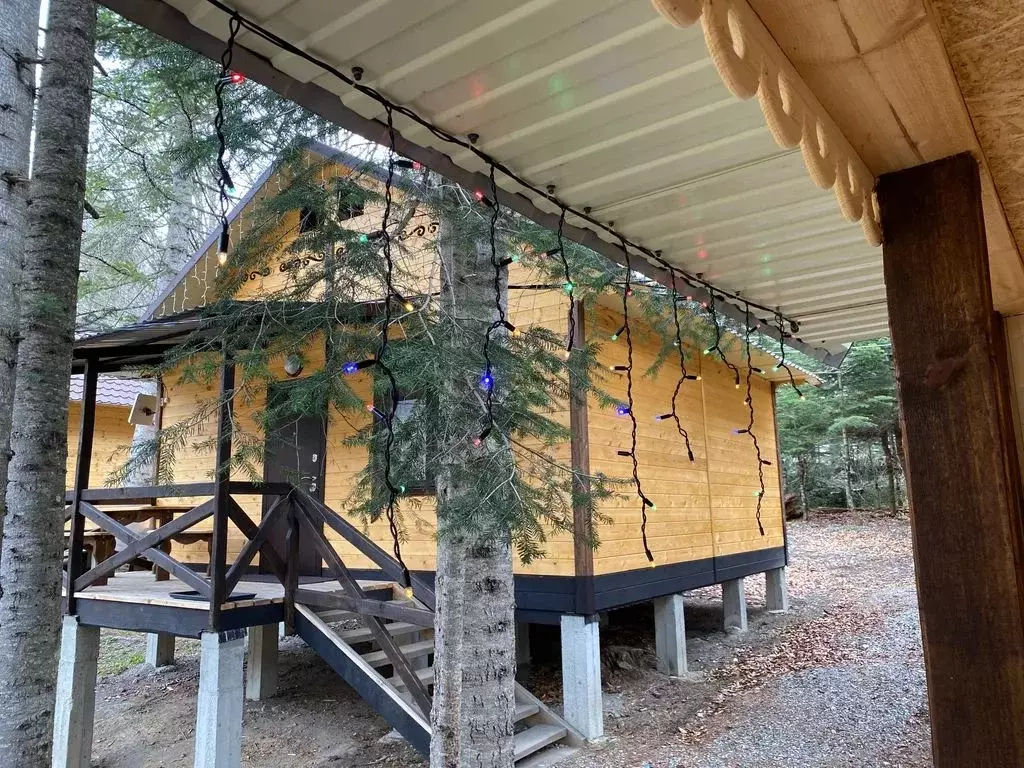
711 523
704 530
113 433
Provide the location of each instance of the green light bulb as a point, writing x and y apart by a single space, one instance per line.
568 287
364 238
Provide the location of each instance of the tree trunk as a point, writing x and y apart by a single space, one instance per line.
847 472
474 698
890 471
31 566
801 466
19 26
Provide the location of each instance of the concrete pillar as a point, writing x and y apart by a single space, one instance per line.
776 593
581 675
75 706
670 634
219 709
159 649
734 606
523 655
261 674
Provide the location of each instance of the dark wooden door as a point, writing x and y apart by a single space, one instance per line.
294 453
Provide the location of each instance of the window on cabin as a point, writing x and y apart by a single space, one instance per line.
411 450
349 206
307 220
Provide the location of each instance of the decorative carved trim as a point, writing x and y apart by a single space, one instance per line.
750 62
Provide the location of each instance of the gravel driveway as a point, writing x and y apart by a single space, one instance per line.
837 682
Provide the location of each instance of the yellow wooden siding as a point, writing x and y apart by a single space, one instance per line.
194 463
705 508
111 440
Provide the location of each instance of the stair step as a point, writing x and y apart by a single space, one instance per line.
536 738
364 635
410 651
426 676
525 710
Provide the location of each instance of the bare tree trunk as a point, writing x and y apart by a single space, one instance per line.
801 466
847 471
890 471
19 24
31 566
474 697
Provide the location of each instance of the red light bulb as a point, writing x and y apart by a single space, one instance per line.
478 195
237 78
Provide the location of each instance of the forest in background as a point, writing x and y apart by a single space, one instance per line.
841 442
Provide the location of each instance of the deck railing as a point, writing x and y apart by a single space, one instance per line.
306 519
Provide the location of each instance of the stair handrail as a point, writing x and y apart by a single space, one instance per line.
422 591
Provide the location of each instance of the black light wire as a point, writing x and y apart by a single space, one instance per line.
749 430
684 375
389 415
224 182
716 346
502 321
440 133
569 286
644 501
782 354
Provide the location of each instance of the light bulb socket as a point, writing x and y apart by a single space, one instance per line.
625 453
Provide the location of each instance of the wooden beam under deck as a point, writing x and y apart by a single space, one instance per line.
963 476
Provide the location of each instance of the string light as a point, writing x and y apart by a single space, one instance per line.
626 409
487 378
468 143
779 320
568 286
225 186
393 490
749 430
716 346
684 375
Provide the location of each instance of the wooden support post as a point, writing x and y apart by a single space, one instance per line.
963 477
579 448
86 428
222 493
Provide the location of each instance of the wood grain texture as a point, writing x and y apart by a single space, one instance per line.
112 439
962 472
881 70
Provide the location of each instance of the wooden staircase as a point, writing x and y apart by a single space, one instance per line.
344 640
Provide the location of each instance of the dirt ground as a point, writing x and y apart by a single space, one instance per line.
838 681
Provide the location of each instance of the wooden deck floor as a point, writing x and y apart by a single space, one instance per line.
141 588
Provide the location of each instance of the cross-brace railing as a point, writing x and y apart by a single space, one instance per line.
305 517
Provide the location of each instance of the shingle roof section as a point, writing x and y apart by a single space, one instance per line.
111 390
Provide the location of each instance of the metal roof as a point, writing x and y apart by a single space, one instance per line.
111 390
622 111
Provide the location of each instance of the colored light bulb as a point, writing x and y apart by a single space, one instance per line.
237 78
364 238
568 287
487 381
408 307
350 367
622 410
408 593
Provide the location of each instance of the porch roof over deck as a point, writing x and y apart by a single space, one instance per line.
622 107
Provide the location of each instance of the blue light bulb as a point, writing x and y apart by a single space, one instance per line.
622 410
487 381
350 367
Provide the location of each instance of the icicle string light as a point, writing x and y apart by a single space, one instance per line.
684 375
569 287
779 320
225 186
627 408
716 346
761 461
487 379
393 490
